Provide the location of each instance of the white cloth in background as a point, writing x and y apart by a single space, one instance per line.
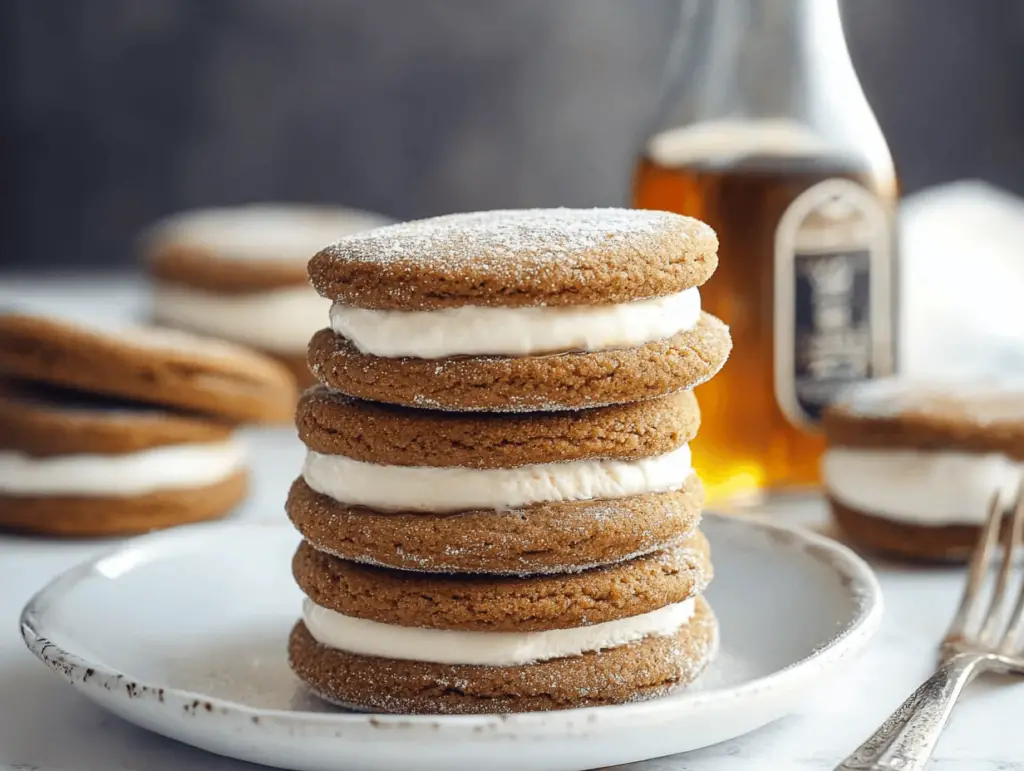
962 282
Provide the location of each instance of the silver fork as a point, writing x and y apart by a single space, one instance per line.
976 642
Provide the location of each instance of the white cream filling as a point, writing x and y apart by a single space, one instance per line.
278 320
919 487
480 331
429 489
492 649
172 467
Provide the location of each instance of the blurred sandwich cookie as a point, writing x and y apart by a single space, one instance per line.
240 273
74 465
911 466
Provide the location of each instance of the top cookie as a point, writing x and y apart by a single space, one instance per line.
247 248
518 258
149 365
895 413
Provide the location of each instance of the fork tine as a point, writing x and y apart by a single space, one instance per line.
1008 645
994 619
979 565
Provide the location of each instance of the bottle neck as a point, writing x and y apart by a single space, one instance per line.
753 58
782 65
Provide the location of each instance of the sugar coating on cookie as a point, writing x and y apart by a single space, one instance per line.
909 456
518 258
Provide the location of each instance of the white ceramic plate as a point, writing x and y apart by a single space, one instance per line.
184 633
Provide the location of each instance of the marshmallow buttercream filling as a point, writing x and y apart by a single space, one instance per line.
445 489
442 646
497 331
278 320
171 467
920 487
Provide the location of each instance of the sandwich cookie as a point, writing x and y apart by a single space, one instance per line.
73 465
911 467
149 365
394 641
240 273
495 493
519 310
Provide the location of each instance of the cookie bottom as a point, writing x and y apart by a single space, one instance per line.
922 543
70 516
643 670
564 381
544 538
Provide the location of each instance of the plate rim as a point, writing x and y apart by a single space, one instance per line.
850 640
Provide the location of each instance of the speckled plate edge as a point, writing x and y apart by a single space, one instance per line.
854 574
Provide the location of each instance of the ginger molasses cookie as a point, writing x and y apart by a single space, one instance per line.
149 365
411 670
405 642
912 466
505 603
519 310
76 465
240 273
495 492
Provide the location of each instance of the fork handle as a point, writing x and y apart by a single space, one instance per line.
906 739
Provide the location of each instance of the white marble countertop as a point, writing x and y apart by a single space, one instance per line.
45 724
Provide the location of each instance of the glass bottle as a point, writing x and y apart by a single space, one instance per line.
765 134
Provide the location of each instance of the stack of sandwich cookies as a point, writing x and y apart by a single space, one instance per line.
240 273
912 467
114 432
499 508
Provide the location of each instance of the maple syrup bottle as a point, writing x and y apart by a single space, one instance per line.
766 135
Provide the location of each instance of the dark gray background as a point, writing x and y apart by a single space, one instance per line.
114 112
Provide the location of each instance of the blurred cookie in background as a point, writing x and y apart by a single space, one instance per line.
240 273
116 431
912 466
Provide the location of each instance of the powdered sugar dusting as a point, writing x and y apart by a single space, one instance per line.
262 231
495 242
979 402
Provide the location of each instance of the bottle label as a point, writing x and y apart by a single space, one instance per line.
833 297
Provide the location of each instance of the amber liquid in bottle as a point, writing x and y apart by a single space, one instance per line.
747 443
